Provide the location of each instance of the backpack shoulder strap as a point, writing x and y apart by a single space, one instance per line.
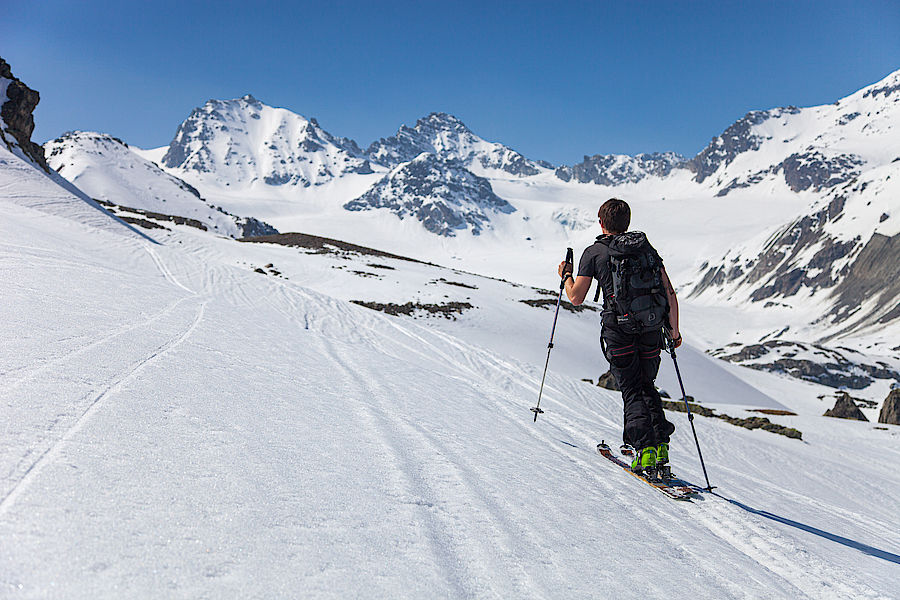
604 239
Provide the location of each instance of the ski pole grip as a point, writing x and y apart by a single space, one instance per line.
569 268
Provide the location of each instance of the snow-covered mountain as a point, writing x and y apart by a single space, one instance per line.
242 142
440 192
839 253
448 137
105 168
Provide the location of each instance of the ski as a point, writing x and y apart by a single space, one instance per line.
673 488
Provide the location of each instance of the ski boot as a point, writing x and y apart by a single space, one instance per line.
645 462
663 470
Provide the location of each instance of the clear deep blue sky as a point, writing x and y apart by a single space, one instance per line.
553 81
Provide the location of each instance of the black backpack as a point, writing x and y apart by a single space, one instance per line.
639 298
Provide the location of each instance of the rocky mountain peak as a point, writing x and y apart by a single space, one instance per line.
440 192
739 137
447 136
441 121
16 114
616 169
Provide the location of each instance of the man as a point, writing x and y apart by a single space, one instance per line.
625 263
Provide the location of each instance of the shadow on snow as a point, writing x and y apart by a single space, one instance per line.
870 550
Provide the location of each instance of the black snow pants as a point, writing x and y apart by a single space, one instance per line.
634 362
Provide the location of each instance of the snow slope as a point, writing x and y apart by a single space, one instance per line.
105 168
180 425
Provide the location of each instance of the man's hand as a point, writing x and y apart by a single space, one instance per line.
674 335
564 268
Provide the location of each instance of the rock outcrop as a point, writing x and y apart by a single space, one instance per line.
16 114
890 410
845 408
441 193
608 381
617 169
449 138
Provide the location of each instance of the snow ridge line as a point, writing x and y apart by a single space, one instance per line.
53 451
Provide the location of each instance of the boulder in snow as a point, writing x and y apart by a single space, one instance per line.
845 408
890 410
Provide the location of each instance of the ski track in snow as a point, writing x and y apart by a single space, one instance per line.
165 270
430 472
799 572
30 374
22 483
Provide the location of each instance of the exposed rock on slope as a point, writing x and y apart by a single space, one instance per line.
616 169
890 410
843 250
441 193
845 408
608 381
815 170
17 103
810 362
872 279
447 137
740 137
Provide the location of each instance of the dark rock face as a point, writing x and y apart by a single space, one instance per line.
608 381
779 264
16 113
872 275
736 139
845 408
611 169
738 183
886 89
890 410
251 227
847 118
812 169
442 194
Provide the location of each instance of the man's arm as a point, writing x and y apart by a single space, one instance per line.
673 307
576 288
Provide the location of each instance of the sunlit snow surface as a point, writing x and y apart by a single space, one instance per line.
178 425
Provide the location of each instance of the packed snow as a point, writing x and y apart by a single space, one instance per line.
192 416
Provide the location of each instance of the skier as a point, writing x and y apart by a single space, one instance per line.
638 301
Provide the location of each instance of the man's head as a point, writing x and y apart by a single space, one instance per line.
615 216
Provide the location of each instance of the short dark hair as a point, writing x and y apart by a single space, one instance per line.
615 215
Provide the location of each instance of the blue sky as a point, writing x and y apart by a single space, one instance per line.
555 82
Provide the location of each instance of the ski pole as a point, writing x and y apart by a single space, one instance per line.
562 286
670 348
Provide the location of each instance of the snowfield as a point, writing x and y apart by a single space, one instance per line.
177 424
